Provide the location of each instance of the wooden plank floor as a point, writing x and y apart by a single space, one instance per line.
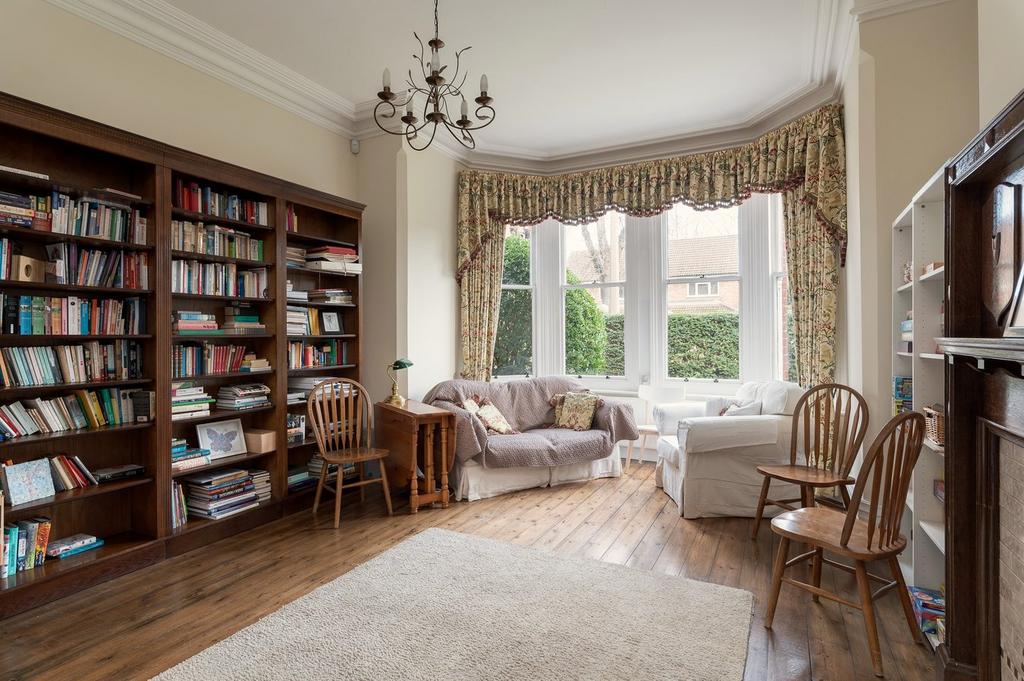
143 623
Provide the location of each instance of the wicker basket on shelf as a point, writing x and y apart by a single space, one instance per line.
935 425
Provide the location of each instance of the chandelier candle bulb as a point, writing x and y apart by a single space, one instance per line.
483 84
386 80
465 108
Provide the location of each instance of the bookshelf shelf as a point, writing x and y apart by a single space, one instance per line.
216 414
336 336
180 214
78 494
26 234
308 442
931 355
313 370
313 270
242 262
73 288
905 287
904 354
220 463
207 296
934 446
224 374
935 531
185 338
134 517
938 274
14 393
64 434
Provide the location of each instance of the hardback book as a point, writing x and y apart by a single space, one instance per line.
28 481
128 470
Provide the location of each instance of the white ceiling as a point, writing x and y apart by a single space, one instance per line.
570 77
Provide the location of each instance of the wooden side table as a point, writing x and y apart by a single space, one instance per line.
416 434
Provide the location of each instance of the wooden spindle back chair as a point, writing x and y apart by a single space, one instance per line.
341 418
829 425
881 488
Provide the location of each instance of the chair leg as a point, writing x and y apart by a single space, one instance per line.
868 610
384 484
320 487
845 493
362 477
337 499
760 507
629 455
780 567
816 572
908 608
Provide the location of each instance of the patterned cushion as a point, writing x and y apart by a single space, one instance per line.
494 421
577 411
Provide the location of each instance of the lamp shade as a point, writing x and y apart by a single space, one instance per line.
402 363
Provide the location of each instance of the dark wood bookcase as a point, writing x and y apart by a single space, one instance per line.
134 516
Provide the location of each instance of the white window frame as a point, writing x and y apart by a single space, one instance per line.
693 290
533 305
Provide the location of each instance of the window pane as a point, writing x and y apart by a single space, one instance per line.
513 347
701 242
703 332
785 333
517 256
596 252
595 343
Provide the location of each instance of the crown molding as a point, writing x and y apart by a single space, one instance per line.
160 26
866 10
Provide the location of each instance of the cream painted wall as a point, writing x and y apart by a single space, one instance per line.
71 64
433 296
1000 55
901 128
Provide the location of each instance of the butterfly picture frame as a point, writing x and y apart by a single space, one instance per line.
222 438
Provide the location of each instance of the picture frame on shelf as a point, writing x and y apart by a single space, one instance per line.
222 438
331 322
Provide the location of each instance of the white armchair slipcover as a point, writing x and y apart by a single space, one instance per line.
708 463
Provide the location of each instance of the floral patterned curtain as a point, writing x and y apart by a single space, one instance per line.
805 160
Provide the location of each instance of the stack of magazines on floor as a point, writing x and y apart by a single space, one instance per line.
219 494
184 457
243 396
189 400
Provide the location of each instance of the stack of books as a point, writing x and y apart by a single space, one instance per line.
57 364
295 256
83 409
74 264
241 319
334 296
243 396
255 365
906 342
316 464
71 315
334 259
184 457
197 237
191 196
189 400
179 508
299 479
25 546
295 294
902 394
59 213
297 320
193 322
930 612
33 212
261 484
220 494
299 387
73 545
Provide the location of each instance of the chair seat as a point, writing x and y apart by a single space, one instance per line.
647 429
355 455
805 475
823 527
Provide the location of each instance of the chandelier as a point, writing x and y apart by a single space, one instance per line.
439 88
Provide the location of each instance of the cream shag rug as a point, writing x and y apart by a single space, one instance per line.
443 605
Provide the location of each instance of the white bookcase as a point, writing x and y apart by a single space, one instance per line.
918 237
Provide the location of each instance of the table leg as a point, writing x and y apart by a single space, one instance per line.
414 482
428 460
444 463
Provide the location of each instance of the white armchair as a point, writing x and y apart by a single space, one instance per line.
708 462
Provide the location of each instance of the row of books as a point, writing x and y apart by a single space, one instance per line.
189 400
41 478
61 214
305 477
82 409
218 279
300 386
306 321
71 315
184 457
329 353
179 510
210 239
24 545
208 359
291 219
243 396
56 364
332 296
73 264
902 394
191 196
223 493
